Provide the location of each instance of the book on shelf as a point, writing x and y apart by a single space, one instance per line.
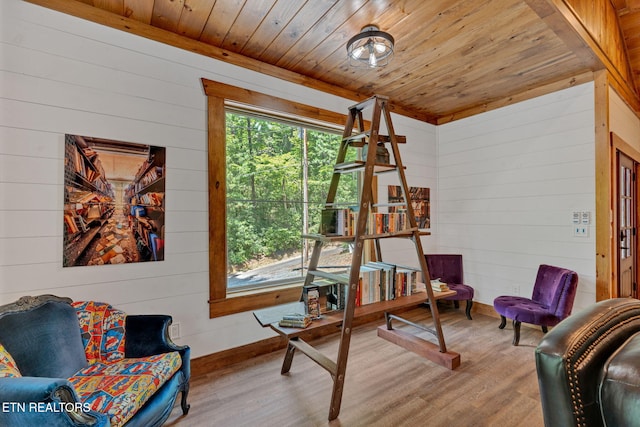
311 298
408 277
382 222
342 222
80 223
71 225
151 199
378 281
387 279
334 296
381 281
369 286
338 222
328 294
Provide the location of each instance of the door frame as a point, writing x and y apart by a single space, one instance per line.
631 225
618 145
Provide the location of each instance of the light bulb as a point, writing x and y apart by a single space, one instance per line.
357 52
380 47
373 61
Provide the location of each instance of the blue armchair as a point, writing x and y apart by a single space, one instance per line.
87 364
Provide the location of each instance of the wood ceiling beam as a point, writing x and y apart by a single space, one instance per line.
99 16
519 97
620 5
570 27
633 5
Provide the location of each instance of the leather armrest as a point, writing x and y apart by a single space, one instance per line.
570 359
620 385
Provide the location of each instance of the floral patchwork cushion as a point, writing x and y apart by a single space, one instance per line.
119 389
8 367
102 328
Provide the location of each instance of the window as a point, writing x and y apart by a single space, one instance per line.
278 174
223 100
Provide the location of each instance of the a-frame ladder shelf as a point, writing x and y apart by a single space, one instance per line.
357 135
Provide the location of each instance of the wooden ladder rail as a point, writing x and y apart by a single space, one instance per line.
356 260
416 234
338 369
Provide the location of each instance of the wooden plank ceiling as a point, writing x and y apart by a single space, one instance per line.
453 58
629 15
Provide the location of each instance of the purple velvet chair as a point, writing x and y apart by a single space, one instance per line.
552 300
448 268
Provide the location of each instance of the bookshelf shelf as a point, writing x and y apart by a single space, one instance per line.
408 233
358 165
335 318
358 140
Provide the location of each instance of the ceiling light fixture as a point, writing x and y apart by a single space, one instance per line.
371 47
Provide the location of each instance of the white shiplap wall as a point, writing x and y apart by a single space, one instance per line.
508 183
623 121
60 74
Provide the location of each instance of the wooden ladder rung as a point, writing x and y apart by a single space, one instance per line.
315 355
427 349
340 278
400 139
356 138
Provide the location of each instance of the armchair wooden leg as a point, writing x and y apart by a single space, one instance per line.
183 402
516 332
467 311
456 304
544 329
503 322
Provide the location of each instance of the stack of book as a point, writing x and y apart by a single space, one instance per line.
295 321
439 286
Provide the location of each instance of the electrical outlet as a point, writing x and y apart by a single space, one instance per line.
174 331
580 231
515 290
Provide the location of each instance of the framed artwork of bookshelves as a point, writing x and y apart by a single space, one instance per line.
114 201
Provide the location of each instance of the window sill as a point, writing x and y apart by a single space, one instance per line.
239 302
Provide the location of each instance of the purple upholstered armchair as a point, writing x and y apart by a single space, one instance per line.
552 300
448 268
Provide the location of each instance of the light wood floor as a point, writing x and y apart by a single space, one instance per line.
496 384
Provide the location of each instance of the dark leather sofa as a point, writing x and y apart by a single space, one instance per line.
589 367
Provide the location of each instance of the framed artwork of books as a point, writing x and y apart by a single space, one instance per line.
114 202
420 201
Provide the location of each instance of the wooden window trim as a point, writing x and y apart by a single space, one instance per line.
218 94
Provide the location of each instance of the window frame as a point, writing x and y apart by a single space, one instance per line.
220 95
